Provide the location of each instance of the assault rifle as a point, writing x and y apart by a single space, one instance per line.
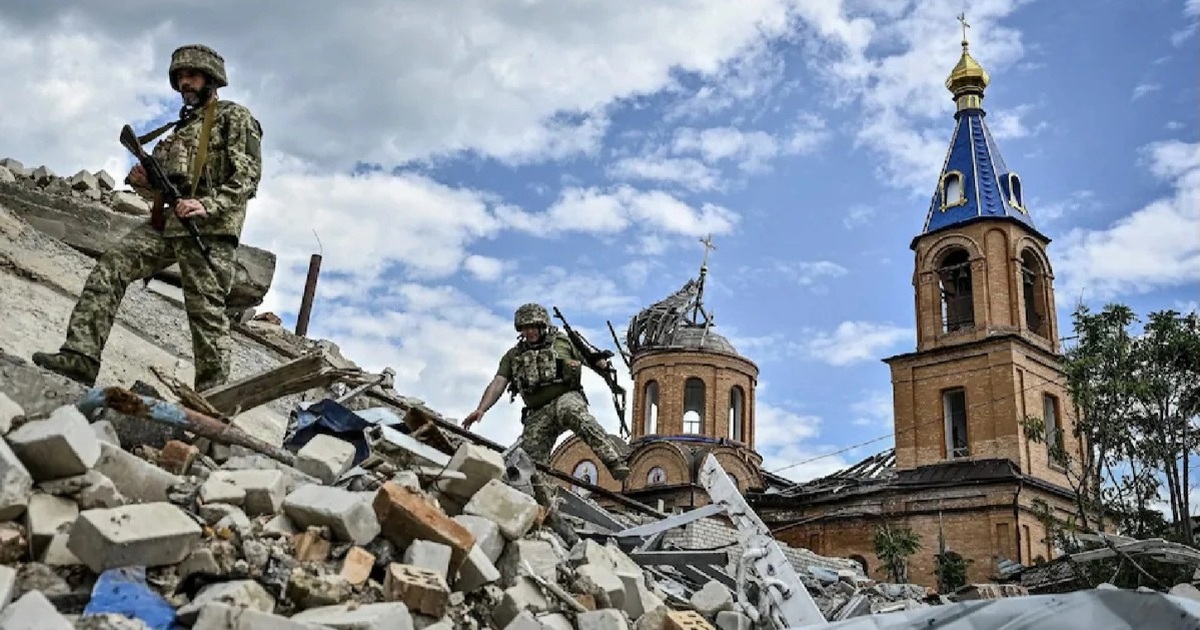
169 192
592 355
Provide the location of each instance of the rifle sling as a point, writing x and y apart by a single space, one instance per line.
202 150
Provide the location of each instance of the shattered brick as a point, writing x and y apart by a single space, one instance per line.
176 457
404 516
686 620
423 591
357 565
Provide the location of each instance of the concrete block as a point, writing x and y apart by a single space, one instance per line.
732 620
405 516
712 599
638 599
46 516
603 584
347 514
57 554
511 509
525 596
487 534
259 492
33 612
149 534
524 621
423 591
60 446
325 457
378 616
89 490
9 411
281 525
8 584
429 555
106 433
246 594
475 571
478 465
16 484
540 555
136 478
607 619
217 616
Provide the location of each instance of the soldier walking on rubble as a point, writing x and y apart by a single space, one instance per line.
546 369
218 178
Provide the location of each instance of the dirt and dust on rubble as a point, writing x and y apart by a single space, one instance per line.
321 499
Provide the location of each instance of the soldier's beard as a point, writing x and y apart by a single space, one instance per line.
196 98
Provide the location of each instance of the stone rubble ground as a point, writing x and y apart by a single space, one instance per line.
110 523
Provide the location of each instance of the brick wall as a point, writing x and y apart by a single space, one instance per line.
671 370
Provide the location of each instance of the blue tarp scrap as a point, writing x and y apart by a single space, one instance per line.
330 418
124 591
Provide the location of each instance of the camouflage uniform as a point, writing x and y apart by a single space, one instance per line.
548 376
228 180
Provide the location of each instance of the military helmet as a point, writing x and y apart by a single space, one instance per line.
531 314
200 58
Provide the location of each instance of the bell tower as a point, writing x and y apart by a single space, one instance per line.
987 347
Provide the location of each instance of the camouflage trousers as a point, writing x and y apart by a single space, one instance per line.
140 254
543 426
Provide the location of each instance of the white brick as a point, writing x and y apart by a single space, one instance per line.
62 445
325 457
513 510
148 534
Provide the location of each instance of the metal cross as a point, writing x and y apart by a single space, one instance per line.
962 17
708 246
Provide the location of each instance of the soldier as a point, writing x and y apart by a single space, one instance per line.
547 369
218 179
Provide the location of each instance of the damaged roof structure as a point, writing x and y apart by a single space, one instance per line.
307 493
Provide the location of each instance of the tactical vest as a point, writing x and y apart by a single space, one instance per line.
549 364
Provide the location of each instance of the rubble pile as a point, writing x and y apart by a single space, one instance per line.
254 543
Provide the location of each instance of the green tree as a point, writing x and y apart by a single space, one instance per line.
893 546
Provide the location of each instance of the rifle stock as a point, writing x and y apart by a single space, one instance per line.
591 355
162 184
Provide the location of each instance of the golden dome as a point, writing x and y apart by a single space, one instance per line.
967 73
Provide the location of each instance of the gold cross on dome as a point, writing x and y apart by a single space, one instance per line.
962 17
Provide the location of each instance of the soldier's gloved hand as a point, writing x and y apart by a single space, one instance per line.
472 418
187 208
137 176
602 364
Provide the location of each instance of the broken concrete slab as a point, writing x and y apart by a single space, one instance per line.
16 484
148 534
512 510
347 514
33 612
62 445
325 457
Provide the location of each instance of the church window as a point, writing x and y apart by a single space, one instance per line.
737 411
952 190
954 409
650 404
585 471
1015 195
1054 430
1033 293
693 405
656 477
958 300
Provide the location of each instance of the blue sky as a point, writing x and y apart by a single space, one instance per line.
458 161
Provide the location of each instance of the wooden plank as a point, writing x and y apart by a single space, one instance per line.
421 424
295 376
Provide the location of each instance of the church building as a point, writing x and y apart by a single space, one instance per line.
693 395
968 472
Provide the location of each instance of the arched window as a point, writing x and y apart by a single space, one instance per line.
1033 291
737 412
958 301
650 405
693 405
656 477
952 190
585 471
1015 195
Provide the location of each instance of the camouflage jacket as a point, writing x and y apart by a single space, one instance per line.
232 169
544 372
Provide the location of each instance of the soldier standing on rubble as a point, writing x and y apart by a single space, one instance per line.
224 175
546 369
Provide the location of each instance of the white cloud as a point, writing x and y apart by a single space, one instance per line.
1150 248
1143 89
784 438
485 268
855 341
572 290
385 83
686 172
609 211
873 409
1076 203
858 215
751 151
808 273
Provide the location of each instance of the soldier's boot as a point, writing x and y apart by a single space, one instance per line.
77 367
